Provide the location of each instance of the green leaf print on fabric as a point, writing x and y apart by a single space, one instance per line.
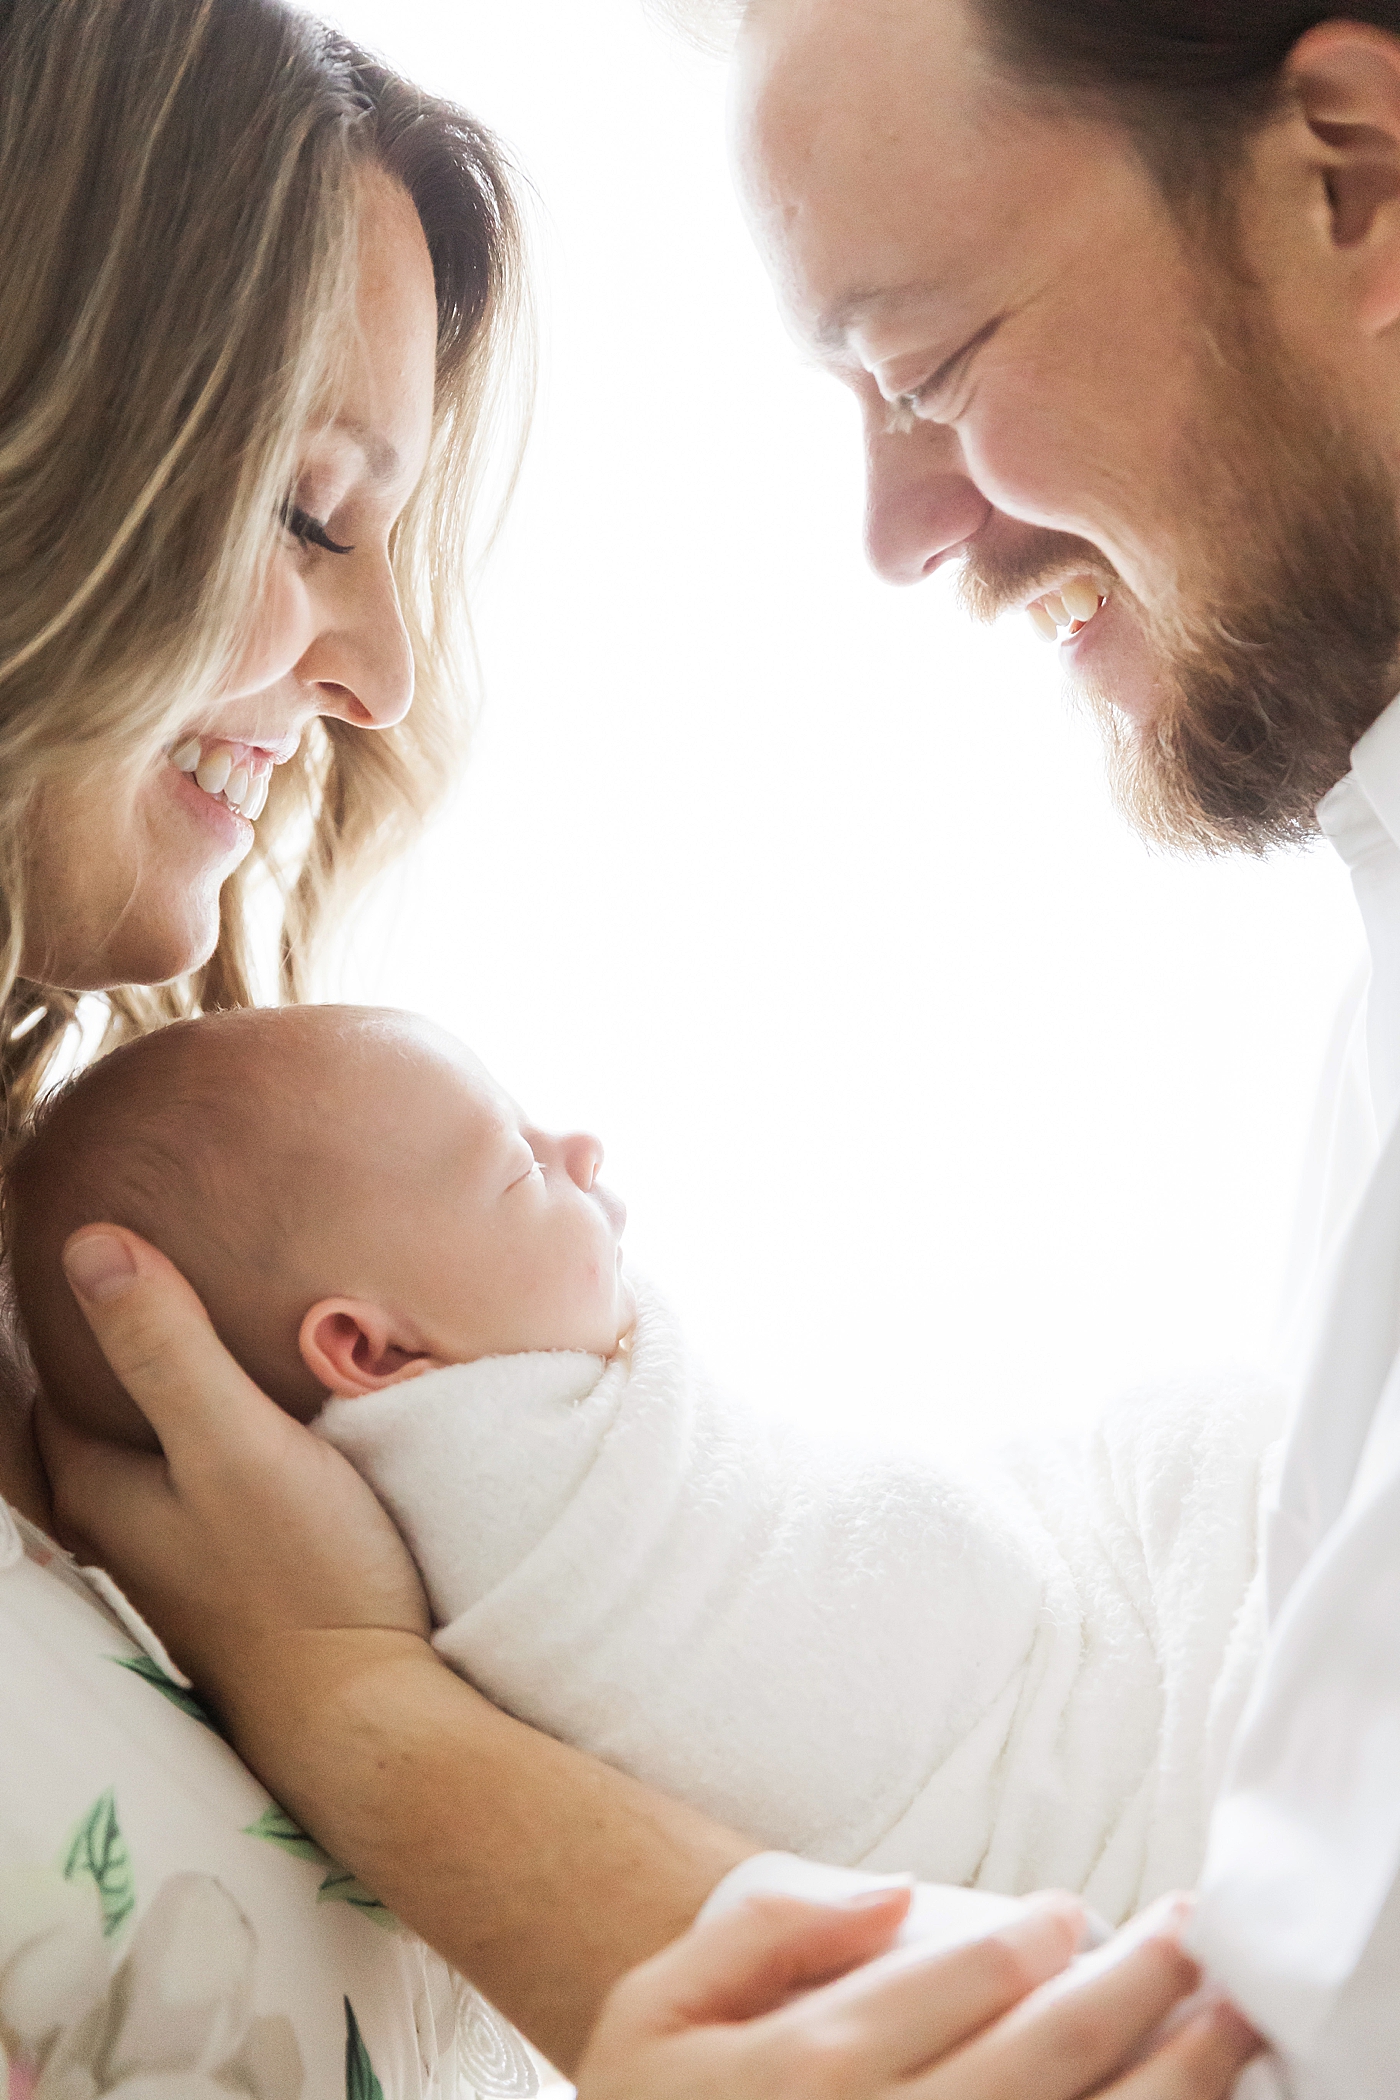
339 1885
360 2081
277 1827
96 1852
151 1673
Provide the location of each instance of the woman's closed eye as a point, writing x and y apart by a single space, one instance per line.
310 531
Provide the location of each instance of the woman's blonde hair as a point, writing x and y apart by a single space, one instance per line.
178 187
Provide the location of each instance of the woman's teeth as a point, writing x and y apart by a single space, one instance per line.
213 772
1072 607
221 770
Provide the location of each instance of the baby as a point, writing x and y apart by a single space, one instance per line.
355 1200
1009 1678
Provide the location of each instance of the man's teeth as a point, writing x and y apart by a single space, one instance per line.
1072 606
1081 598
216 770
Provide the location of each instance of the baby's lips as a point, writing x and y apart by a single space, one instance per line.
612 1207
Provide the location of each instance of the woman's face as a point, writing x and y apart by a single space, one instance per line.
125 874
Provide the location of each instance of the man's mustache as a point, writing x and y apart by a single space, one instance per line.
997 578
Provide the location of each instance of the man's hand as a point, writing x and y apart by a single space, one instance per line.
744 2008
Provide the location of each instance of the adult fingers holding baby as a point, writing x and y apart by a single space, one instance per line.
299 1547
769 2001
277 1579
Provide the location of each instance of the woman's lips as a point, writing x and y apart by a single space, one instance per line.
230 770
228 825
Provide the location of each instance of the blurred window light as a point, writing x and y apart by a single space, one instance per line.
942 1107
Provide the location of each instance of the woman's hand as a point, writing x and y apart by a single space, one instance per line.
278 1582
744 2008
248 1543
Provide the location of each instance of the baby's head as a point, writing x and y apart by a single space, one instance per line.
352 1196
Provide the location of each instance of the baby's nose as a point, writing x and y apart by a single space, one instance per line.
583 1156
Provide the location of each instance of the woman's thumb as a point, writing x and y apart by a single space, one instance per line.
154 1332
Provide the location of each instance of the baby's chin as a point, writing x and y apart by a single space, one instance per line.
626 1310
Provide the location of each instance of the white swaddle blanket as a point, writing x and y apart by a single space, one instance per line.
1011 1678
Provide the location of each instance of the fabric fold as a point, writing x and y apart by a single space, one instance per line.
1003 1676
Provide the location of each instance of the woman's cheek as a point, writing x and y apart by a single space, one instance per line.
279 633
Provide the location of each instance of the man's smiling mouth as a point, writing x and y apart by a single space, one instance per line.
1061 614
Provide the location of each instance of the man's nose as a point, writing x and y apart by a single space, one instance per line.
921 507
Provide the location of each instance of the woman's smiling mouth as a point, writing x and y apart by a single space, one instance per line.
230 771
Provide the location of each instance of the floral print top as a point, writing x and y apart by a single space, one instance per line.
166 1931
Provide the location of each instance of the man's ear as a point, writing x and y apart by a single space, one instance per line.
1345 78
352 1347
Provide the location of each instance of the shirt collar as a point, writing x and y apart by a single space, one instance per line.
1363 809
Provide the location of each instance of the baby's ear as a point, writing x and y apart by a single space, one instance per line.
352 1347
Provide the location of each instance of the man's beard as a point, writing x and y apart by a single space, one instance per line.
1280 646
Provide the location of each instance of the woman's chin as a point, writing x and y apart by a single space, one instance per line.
142 950
148 911
169 953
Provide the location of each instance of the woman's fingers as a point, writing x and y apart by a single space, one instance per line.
248 1529
88 1477
1070 2037
753 1958
912 2007
157 1337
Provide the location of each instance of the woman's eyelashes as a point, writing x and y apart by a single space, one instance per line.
310 531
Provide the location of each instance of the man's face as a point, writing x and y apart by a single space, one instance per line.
1062 386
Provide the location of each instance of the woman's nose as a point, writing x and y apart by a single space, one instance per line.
361 661
921 508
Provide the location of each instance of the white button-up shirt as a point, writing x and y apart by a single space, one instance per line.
1299 1911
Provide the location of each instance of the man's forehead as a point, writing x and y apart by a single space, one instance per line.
860 135
856 79
888 170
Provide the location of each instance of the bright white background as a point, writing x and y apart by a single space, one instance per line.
943 1109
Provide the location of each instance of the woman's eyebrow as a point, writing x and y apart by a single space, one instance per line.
380 457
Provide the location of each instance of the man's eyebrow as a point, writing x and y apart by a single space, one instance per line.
380 457
836 323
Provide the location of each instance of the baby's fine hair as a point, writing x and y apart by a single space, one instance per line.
192 1137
